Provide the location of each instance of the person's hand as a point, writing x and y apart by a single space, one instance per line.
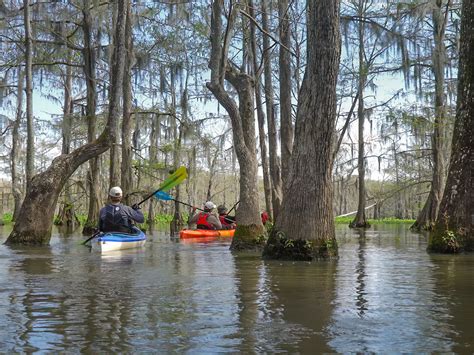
136 206
194 209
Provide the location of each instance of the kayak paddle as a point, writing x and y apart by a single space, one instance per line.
174 179
161 195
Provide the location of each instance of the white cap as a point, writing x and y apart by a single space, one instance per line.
209 205
115 191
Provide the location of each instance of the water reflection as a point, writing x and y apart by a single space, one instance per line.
384 294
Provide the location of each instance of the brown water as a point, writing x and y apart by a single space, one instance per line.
384 294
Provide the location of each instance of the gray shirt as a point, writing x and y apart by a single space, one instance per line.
212 219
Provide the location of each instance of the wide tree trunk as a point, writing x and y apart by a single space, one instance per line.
30 136
16 184
126 166
35 219
429 213
91 104
250 231
304 229
286 124
274 159
260 115
454 228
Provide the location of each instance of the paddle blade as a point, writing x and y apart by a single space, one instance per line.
161 195
174 179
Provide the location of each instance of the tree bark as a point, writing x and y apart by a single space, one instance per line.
30 140
260 114
274 160
250 229
126 167
305 228
429 213
16 184
360 220
286 124
454 228
91 104
35 219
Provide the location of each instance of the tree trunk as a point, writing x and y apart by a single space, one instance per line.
286 124
91 103
35 219
429 213
126 167
249 232
260 115
454 228
274 160
305 228
360 220
30 140
16 184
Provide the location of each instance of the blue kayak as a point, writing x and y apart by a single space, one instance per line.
118 241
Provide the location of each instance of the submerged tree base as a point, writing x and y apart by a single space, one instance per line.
29 238
252 237
283 248
363 224
447 241
417 227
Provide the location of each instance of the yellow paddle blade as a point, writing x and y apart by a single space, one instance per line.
174 179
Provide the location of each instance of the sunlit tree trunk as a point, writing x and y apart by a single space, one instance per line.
30 138
250 229
91 103
429 213
360 220
274 160
286 124
16 144
35 219
260 114
304 229
454 228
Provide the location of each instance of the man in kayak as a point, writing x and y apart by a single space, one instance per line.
206 219
228 222
116 217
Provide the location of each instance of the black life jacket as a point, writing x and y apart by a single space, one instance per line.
114 219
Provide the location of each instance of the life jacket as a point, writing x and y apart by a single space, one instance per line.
114 219
265 217
202 222
225 220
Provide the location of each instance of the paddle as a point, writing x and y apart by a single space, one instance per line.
161 195
93 236
174 179
234 206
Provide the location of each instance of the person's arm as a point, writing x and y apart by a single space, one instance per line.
214 220
193 219
135 215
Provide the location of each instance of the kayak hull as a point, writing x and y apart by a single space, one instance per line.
204 233
113 241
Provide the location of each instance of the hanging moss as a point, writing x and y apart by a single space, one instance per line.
281 247
251 237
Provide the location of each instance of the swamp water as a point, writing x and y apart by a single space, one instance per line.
384 294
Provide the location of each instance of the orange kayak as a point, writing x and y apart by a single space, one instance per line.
204 233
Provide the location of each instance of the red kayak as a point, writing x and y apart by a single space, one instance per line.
204 233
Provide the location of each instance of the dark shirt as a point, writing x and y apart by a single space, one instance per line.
119 217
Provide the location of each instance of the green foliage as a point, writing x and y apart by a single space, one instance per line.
7 217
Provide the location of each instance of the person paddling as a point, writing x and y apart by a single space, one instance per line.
228 222
206 219
116 217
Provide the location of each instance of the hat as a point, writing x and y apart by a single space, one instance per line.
221 208
115 191
209 205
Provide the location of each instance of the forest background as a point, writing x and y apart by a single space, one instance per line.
396 101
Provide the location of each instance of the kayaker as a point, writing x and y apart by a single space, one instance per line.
228 222
265 217
206 219
116 217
